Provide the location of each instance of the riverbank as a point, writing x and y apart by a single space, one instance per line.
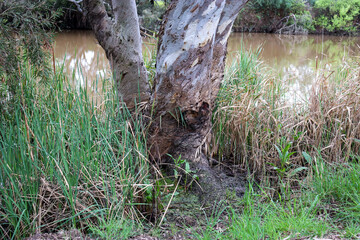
68 162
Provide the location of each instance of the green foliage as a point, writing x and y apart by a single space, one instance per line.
25 38
337 15
272 5
278 7
309 15
305 20
151 14
183 166
291 15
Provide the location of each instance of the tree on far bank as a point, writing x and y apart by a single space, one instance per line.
190 64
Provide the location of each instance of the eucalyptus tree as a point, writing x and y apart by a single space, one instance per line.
190 64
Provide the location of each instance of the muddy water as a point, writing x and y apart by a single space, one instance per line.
293 58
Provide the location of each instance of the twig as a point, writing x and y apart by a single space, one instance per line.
168 205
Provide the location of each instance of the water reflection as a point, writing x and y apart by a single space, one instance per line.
82 57
293 58
288 53
296 58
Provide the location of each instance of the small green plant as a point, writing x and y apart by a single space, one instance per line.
284 156
182 165
284 169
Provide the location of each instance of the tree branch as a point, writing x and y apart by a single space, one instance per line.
77 4
96 14
228 16
121 40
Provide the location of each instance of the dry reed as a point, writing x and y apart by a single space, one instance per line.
252 117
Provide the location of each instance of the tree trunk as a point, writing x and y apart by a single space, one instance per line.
190 66
121 40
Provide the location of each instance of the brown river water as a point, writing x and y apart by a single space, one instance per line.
293 58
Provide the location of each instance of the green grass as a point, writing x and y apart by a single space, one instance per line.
325 205
68 163
339 189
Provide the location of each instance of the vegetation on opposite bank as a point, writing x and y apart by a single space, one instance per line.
271 16
300 17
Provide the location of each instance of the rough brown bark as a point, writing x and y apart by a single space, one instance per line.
120 37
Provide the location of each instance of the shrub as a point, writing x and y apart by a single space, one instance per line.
337 15
278 7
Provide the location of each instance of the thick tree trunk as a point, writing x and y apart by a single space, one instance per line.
190 66
120 37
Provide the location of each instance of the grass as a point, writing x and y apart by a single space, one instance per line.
71 161
252 120
325 206
68 163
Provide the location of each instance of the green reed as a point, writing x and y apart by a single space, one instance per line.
68 162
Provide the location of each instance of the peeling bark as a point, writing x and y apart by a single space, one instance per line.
182 95
120 37
190 68
229 14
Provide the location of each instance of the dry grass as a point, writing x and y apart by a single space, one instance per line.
252 117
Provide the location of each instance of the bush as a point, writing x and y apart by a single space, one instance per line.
278 7
151 14
337 15
273 15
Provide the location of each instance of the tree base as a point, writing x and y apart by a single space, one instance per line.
212 183
218 182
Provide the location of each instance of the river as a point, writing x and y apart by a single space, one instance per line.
293 58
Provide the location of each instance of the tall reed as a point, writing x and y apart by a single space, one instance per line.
67 162
253 119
